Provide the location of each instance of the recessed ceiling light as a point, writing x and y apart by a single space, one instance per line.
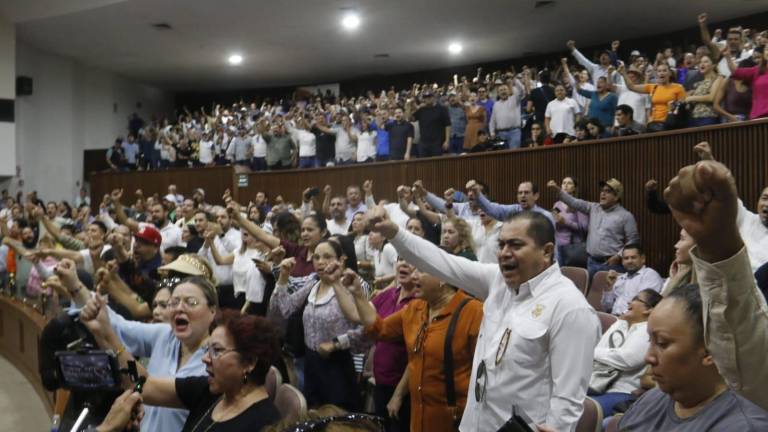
235 59
350 21
455 48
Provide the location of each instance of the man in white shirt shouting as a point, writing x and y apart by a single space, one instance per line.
537 339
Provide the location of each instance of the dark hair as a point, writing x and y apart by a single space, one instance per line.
69 227
635 246
595 121
255 340
175 251
336 246
652 298
691 298
209 290
626 110
204 213
101 226
320 222
545 77
347 248
534 186
287 226
540 229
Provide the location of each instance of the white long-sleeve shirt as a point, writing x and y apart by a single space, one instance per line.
595 70
551 333
630 344
755 236
616 300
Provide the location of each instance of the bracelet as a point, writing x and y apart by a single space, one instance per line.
120 351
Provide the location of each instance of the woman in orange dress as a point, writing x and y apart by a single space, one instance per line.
476 120
423 326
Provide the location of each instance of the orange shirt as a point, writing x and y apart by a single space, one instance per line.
429 407
661 97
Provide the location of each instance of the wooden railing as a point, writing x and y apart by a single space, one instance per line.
633 160
20 328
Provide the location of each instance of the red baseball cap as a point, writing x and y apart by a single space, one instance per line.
149 235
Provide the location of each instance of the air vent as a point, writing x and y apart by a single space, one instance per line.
162 26
381 56
543 3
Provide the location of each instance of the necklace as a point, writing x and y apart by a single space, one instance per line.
207 413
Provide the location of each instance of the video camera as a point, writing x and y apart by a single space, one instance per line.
70 359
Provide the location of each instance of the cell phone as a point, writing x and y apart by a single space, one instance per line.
313 192
88 370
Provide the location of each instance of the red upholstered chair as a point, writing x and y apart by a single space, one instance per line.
578 275
595 294
273 380
591 418
290 403
606 320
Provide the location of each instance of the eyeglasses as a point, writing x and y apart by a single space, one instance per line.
313 425
216 352
190 302
637 298
169 282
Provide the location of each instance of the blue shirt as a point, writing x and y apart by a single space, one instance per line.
131 150
158 343
602 109
458 120
488 105
382 139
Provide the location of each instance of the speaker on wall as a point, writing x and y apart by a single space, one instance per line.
23 86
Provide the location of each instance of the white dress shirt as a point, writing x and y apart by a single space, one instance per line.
335 228
232 239
222 273
755 236
630 344
551 332
627 286
486 242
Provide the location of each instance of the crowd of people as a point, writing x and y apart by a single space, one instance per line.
458 302
621 93
442 310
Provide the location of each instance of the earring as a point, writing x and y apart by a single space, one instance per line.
245 377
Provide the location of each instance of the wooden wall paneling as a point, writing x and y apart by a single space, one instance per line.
632 160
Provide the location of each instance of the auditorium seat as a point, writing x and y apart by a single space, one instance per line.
613 424
606 320
290 403
595 294
591 418
578 275
273 381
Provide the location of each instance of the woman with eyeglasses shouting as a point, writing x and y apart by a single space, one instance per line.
619 356
236 358
174 349
440 329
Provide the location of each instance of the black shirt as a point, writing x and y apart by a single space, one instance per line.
198 399
326 144
399 132
432 123
541 97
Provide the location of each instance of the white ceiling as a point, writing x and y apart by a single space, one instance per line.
287 42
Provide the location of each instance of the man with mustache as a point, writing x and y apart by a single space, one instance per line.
537 338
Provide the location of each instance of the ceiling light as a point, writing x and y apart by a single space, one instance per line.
235 59
455 48
350 21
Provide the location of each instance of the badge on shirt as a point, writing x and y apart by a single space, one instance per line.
537 310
